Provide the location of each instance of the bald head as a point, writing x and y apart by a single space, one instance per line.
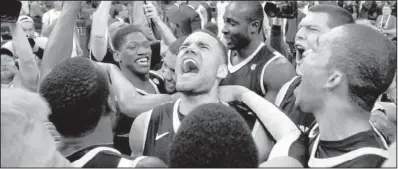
365 57
250 10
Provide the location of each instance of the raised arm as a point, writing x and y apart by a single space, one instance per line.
98 37
129 101
46 31
59 46
166 33
28 69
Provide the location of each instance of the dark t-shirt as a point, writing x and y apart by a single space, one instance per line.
364 149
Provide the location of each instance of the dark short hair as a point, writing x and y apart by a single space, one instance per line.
368 60
77 91
213 136
224 49
337 15
118 37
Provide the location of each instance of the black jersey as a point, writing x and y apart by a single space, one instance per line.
101 157
123 122
162 126
286 99
250 72
365 149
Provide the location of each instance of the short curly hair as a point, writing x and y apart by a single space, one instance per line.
118 37
213 135
77 91
368 60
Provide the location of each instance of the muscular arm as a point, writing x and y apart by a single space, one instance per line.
276 122
275 76
129 101
195 21
46 31
28 69
59 46
98 37
166 33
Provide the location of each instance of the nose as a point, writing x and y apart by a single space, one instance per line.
167 75
300 34
143 50
225 29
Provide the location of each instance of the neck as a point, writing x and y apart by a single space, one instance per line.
188 103
386 15
341 120
249 49
102 134
137 80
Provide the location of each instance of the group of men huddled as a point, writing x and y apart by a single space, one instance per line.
231 103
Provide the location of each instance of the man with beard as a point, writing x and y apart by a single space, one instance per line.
319 20
200 66
251 63
342 64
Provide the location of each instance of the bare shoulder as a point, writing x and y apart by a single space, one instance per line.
279 70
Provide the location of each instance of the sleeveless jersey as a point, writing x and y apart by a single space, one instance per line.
286 99
123 122
163 123
250 72
101 157
365 149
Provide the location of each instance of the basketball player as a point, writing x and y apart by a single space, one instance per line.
79 96
200 66
342 64
319 20
251 63
213 136
133 53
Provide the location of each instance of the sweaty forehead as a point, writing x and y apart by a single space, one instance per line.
135 37
316 19
236 10
200 37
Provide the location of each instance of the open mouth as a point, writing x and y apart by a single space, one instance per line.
300 51
190 66
143 61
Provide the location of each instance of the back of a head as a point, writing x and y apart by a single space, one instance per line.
25 141
151 162
367 59
213 135
337 15
77 91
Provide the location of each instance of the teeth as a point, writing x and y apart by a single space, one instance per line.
189 60
142 60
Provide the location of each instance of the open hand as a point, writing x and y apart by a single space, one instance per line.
151 12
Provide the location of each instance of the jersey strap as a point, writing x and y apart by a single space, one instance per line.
282 92
90 155
276 56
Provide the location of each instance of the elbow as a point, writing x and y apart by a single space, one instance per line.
128 109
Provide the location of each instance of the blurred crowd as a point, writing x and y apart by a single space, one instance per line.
199 84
